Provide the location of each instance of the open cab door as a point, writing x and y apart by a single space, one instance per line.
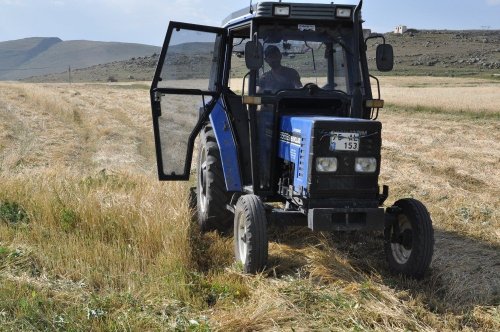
185 88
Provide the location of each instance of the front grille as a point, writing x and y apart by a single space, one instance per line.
369 145
345 181
304 11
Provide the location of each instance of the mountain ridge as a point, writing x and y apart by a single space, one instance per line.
36 56
417 52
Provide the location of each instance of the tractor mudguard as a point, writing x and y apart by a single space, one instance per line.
227 146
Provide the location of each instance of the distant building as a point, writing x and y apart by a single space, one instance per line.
400 29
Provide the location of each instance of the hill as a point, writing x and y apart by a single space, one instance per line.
139 68
421 53
40 56
444 52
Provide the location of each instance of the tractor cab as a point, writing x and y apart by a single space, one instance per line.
279 106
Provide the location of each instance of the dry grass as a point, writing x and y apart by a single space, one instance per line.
81 126
89 239
450 94
450 162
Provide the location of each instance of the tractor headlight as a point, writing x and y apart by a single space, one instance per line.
343 12
326 164
365 165
280 10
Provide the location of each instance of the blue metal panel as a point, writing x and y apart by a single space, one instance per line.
295 145
227 147
296 148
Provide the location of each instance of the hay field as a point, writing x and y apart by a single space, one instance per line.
90 240
456 95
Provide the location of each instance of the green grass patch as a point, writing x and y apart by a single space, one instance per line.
219 289
24 307
13 214
113 181
68 219
4 252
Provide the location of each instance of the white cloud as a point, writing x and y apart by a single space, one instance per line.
493 2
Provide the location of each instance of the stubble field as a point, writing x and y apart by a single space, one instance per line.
90 240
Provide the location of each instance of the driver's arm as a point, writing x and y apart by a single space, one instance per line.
296 81
261 84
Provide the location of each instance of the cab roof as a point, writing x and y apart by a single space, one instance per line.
304 11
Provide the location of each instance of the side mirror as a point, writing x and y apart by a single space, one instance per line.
385 57
253 55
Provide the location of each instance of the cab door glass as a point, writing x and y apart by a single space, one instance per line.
191 60
175 128
238 67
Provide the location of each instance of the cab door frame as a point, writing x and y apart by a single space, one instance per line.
156 94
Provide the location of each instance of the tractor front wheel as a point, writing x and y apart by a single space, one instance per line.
409 239
250 234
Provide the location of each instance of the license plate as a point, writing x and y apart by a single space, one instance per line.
344 141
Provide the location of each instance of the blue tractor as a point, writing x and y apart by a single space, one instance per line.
279 104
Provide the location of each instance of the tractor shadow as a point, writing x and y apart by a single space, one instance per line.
464 272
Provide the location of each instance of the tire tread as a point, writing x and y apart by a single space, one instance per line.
255 219
422 238
217 216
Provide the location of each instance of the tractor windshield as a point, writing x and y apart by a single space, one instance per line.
298 54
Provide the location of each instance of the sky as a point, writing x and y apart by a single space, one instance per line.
146 21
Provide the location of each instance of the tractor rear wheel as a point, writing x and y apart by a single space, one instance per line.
409 239
250 234
211 193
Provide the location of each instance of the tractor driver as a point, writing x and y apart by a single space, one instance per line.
279 77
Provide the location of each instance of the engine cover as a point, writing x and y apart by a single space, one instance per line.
305 138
